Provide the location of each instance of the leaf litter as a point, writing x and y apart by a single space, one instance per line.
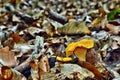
59 40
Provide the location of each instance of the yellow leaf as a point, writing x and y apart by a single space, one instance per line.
79 48
80 52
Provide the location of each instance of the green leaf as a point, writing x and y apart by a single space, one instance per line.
112 14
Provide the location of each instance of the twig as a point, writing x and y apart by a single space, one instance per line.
55 16
38 44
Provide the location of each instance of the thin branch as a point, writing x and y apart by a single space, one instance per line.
55 16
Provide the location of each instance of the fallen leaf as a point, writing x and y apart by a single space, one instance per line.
7 73
74 27
44 65
69 71
33 65
113 57
79 48
112 14
51 30
23 49
114 45
101 11
34 30
112 28
17 38
34 70
90 56
97 21
7 56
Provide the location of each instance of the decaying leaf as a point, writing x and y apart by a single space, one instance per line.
96 22
74 27
79 48
7 56
113 57
115 42
44 65
7 73
34 70
17 38
34 30
22 48
92 27
51 30
113 29
67 71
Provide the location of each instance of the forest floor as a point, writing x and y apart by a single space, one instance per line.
59 40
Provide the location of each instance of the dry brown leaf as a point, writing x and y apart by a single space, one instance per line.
17 38
7 73
34 70
101 11
51 30
8 57
44 65
113 29
90 56
97 21
33 65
